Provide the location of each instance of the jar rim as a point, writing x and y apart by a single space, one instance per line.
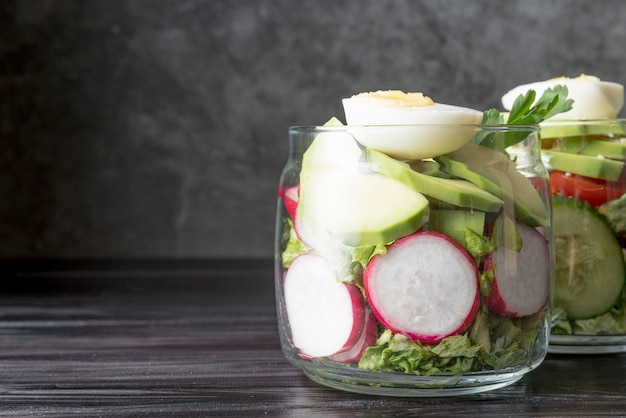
611 121
477 126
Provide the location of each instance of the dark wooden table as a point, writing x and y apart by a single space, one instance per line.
200 339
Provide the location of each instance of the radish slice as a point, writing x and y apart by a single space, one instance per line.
325 316
367 339
304 234
290 199
521 282
425 287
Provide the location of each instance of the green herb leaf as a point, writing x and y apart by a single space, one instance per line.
522 106
552 102
492 117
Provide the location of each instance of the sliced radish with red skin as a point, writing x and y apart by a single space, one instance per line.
304 235
290 200
425 287
325 316
367 339
521 279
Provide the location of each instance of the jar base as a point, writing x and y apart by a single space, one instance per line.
587 344
352 379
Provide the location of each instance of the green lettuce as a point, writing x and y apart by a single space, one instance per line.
347 262
493 342
293 247
395 352
615 214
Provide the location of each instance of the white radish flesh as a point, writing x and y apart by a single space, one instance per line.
425 287
325 316
521 282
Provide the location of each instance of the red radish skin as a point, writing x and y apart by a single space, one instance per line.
521 279
367 339
325 316
290 200
303 234
425 287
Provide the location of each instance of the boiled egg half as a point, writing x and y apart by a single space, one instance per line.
593 98
409 125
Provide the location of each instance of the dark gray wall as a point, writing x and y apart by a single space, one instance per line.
158 128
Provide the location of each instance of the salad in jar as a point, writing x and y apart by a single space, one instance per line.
585 152
415 240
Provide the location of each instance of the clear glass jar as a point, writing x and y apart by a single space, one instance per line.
585 159
423 277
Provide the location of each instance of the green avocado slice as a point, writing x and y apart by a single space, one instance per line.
494 172
592 147
600 168
342 200
456 192
455 222
564 129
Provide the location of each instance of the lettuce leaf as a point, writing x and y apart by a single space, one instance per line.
493 342
396 352
615 214
293 247
347 262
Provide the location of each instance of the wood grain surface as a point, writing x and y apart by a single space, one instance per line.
200 339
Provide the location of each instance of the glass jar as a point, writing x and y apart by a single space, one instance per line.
421 277
585 159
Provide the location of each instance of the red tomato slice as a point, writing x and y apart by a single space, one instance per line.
593 191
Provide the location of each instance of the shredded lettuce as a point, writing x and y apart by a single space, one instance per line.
347 262
364 253
477 245
395 352
293 247
615 214
505 234
493 342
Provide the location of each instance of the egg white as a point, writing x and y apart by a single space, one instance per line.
410 132
593 98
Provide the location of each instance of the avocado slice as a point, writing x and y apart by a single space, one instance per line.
453 223
592 147
428 167
601 168
342 200
457 192
494 172
578 128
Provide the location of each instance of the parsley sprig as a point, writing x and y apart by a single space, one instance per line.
552 102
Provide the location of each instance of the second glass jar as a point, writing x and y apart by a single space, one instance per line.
586 163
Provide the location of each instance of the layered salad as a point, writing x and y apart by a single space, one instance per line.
411 242
585 151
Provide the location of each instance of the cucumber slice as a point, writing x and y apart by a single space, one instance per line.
589 274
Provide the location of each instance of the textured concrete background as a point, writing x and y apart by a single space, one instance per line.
158 128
